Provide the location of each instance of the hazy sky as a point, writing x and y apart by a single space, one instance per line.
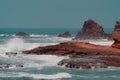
57 13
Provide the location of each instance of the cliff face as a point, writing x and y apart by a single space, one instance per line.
92 30
116 35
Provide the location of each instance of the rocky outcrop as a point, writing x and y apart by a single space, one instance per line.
21 34
65 35
92 30
116 35
82 55
85 55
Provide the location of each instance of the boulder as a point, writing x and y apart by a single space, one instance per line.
65 35
92 30
21 34
116 35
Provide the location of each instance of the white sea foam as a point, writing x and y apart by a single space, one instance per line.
42 60
36 35
38 76
53 76
102 42
99 41
18 44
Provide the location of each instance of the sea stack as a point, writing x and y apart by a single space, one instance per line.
92 30
116 35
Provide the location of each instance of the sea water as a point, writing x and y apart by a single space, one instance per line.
44 67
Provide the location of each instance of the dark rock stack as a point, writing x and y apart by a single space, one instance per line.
92 30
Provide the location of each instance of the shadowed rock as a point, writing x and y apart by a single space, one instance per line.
116 35
92 30
65 35
11 66
21 34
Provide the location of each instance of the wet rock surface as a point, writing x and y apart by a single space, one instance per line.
65 35
82 55
10 54
11 66
85 55
92 30
21 34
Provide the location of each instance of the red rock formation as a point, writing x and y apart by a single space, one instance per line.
85 55
116 35
92 30
65 35
103 55
21 34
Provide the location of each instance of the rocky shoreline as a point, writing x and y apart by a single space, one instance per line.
84 55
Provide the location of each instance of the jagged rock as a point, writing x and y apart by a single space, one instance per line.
83 63
92 30
116 35
78 50
85 55
11 54
21 34
65 35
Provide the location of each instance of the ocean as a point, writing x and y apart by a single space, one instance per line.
44 67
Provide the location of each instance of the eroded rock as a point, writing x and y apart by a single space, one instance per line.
92 30
116 35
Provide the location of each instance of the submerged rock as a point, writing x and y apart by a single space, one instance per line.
11 66
92 30
10 54
65 35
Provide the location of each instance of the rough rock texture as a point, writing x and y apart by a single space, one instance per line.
116 35
92 30
21 34
85 55
81 54
66 35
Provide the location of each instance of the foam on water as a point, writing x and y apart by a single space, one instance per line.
41 61
102 42
39 76
19 44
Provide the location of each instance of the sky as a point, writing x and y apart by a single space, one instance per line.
57 13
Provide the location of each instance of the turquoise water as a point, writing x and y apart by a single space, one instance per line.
44 67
